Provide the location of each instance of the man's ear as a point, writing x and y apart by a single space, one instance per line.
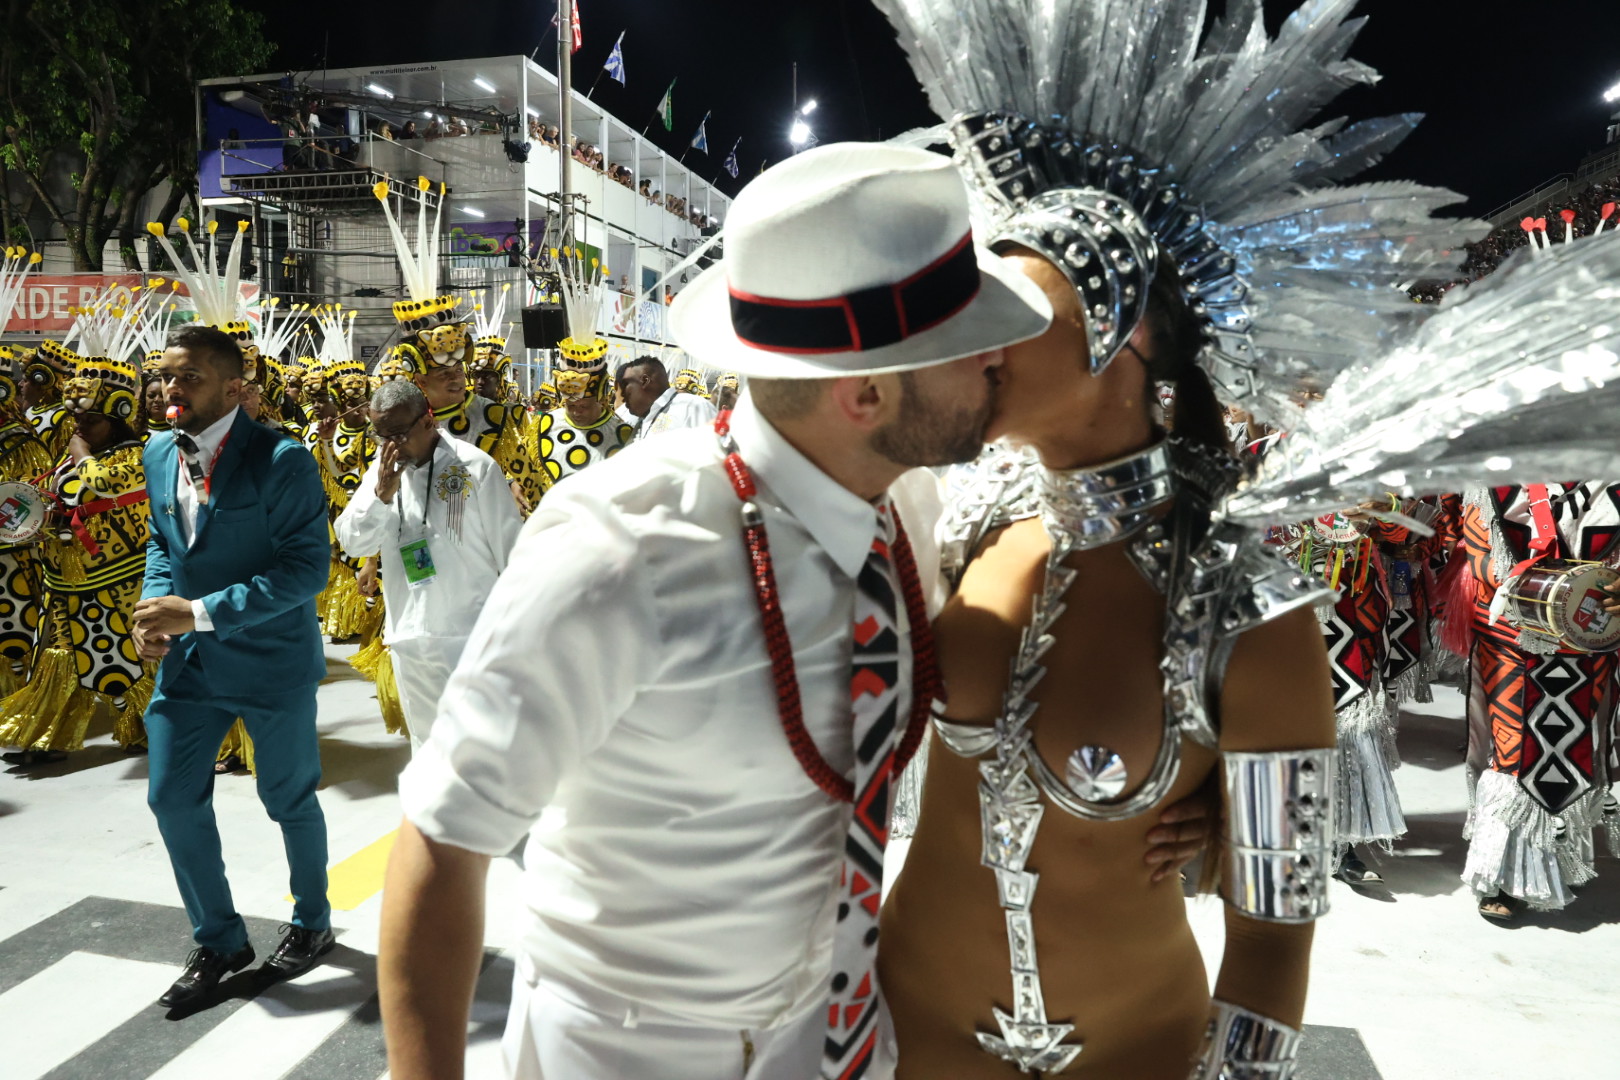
865 401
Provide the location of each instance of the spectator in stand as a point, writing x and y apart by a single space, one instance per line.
552 139
386 130
646 190
435 130
1485 255
409 131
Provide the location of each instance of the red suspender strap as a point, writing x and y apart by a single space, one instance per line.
85 511
1545 530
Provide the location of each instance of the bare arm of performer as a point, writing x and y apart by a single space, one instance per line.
432 920
1277 696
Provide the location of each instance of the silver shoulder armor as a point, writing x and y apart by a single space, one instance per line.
996 490
1279 833
1217 588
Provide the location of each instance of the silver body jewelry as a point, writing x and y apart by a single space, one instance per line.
1216 585
1243 1045
1279 833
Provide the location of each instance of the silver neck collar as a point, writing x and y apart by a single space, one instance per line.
1103 504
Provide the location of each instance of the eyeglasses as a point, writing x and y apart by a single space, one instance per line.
395 436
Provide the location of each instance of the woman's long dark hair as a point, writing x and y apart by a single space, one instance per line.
1177 339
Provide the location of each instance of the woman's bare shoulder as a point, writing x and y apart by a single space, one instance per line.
1278 692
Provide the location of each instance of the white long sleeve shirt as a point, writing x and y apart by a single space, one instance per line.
618 681
673 411
468 560
210 441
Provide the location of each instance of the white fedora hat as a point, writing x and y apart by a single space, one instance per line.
854 259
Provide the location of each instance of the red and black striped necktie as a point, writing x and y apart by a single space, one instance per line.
875 701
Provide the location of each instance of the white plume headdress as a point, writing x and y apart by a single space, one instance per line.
418 264
1104 132
14 263
112 326
156 319
488 320
274 333
337 339
583 293
216 294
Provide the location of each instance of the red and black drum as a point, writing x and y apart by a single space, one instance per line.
1564 601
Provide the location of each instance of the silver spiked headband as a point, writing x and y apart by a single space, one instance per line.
1107 134
1103 219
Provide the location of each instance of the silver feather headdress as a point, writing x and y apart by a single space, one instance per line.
1106 135
1515 380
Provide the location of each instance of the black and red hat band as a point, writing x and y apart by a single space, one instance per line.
861 321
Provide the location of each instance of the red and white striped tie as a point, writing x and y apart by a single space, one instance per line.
875 700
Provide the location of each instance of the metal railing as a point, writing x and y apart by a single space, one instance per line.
1534 197
326 153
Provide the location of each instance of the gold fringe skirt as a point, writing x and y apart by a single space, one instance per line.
53 710
375 663
238 742
347 613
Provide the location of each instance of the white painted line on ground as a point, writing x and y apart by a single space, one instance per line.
71 1004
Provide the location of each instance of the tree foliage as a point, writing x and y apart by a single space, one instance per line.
103 92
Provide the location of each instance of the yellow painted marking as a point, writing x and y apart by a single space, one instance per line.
359 877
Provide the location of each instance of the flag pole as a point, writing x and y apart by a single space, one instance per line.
659 108
594 81
565 116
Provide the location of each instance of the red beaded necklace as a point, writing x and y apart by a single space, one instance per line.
926 683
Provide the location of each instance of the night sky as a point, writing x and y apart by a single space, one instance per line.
1510 102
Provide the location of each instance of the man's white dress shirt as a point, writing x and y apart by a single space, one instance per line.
209 444
673 411
427 626
618 683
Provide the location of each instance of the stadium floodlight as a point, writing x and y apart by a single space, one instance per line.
799 134
1612 94
809 107
483 84
375 89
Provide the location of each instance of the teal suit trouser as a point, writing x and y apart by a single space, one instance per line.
184 732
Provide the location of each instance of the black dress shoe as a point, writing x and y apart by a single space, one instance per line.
298 952
204 969
1352 871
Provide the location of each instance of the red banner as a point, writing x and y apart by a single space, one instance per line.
45 304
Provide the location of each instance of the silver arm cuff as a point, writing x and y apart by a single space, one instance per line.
1243 1045
1279 833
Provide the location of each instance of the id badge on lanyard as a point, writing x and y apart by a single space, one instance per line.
417 556
418 559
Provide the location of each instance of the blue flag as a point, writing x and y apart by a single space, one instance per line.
615 61
731 161
700 141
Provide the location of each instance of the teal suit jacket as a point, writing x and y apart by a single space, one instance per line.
260 556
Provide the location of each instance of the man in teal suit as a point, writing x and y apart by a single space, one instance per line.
238 552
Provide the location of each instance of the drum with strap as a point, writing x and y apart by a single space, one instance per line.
23 512
1564 601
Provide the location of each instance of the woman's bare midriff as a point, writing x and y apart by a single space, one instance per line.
1117 957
